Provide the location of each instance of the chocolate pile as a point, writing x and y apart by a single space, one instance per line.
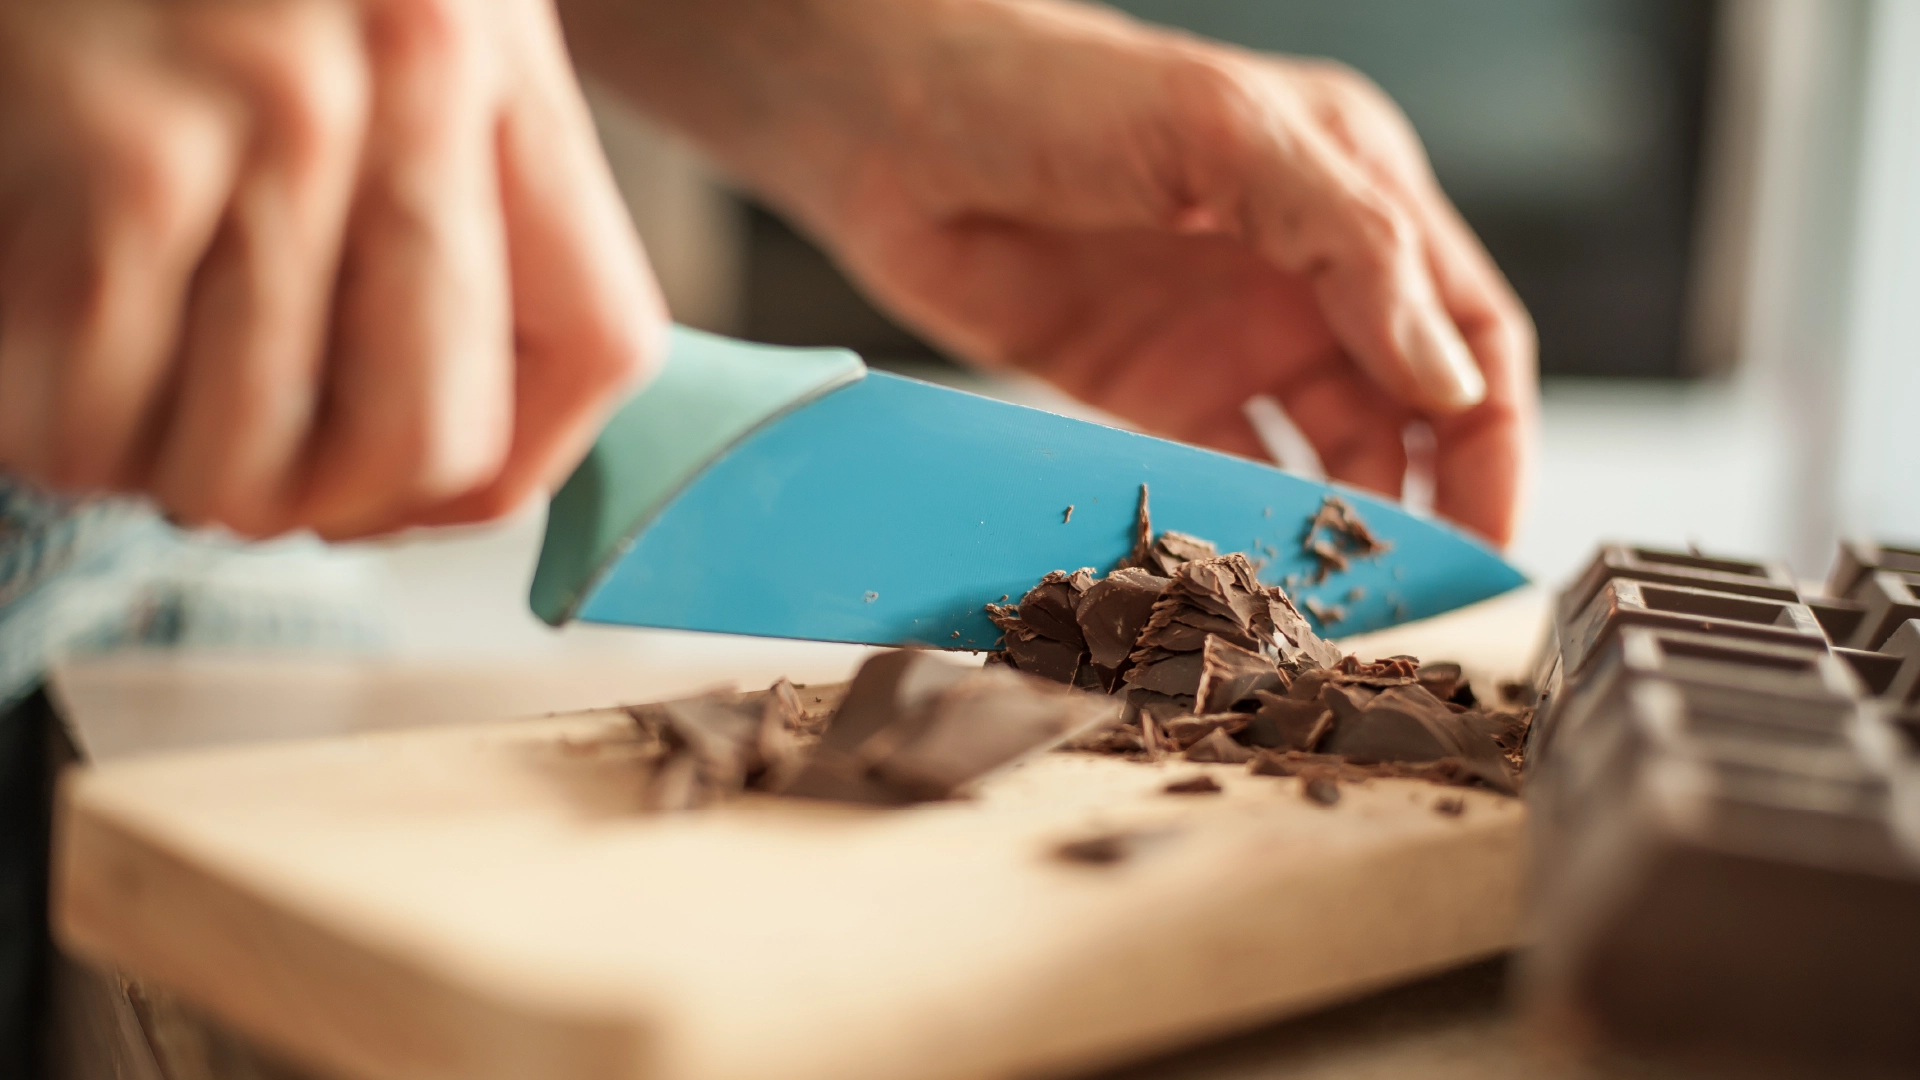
1217 666
701 749
910 727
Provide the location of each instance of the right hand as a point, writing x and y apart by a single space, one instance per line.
347 265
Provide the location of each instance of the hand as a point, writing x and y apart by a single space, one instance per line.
1165 229
342 264
1162 226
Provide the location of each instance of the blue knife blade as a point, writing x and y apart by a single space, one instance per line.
884 510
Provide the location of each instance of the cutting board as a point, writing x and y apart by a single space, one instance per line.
482 901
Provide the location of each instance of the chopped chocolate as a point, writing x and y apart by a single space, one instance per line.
710 747
1219 748
1043 656
1184 731
1103 850
1286 723
1166 673
1515 692
1114 610
1320 785
1409 724
1328 614
1335 535
1161 707
1441 680
914 727
1230 675
1195 785
1451 771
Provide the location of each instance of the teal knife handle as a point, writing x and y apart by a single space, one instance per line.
711 393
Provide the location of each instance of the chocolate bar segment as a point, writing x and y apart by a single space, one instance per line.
1769 580
1857 559
1889 599
1723 809
1622 602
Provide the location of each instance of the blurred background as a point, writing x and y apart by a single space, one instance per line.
1712 208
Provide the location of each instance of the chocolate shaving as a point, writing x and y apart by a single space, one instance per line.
914 727
1214 664
1184 731
1230 675
1287 723
1320 785
1451 806
1197 785
1114 610
1335 536
1219 748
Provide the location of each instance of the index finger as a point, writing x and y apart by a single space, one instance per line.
1484 456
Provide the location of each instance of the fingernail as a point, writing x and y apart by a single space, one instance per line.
1446 368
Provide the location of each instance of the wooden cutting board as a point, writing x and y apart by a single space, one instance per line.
487 901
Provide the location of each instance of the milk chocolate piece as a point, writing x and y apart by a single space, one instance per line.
1623 602
1049 607
1876 671
1442 680
1286 723
1335 535
1838 619
1720 871
1320 786
1406 723
915 727
1218 748
1184 731
1195 785
1114 610
1857 559
1103 850
1230 675
1166 673
1046 657
1890 599
1768 580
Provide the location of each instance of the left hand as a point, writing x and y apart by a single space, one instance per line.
1162 226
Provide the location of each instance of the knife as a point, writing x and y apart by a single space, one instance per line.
781 492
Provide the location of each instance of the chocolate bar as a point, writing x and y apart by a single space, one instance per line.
1724 785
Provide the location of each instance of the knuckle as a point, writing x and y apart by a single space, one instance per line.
161 185
1383 233
316 105
1221 99
618 352
439 35
451 456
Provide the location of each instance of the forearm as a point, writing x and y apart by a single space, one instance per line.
789 94
747 80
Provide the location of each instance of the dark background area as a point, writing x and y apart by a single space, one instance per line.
1569 132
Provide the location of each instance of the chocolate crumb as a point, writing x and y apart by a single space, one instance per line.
1452 806
1103 850
1326 613
1197 785
1068 516
1320 786
1335 535
1218 748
